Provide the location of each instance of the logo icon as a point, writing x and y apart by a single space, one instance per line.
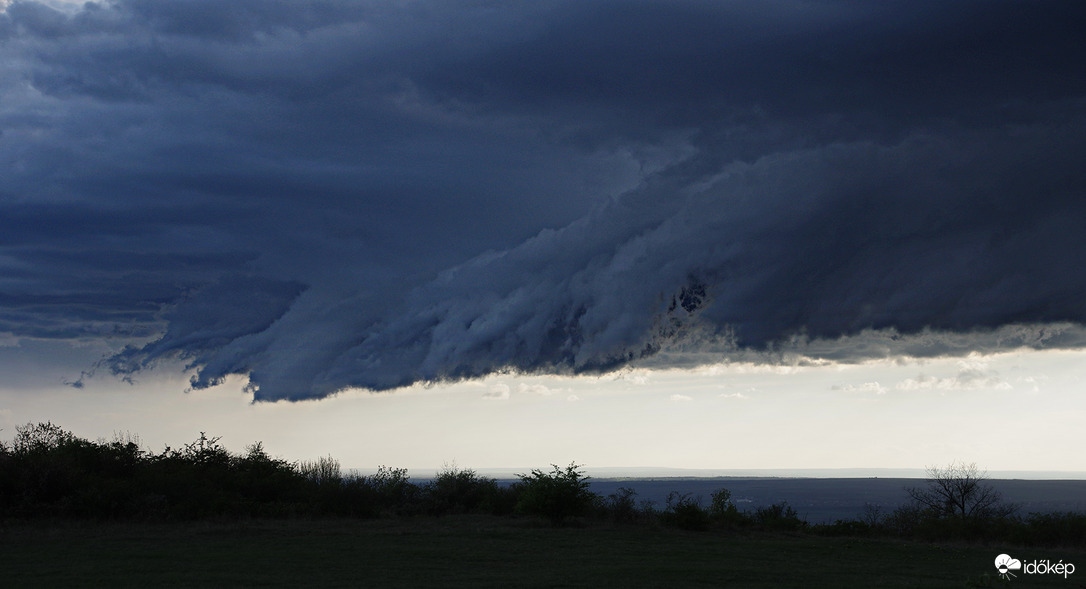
1005 564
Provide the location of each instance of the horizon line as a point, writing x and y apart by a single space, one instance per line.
620 472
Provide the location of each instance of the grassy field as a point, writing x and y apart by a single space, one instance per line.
475 551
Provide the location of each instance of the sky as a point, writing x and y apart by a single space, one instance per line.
744 234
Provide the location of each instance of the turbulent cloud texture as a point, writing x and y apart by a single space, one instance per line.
334 194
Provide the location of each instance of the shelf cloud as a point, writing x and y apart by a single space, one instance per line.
339 194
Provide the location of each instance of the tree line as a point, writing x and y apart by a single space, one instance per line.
48 472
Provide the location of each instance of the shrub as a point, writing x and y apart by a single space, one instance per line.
873 515
779 516
1056 529
322 471
393 491
905 520
456 490
557 495
621 505
265 480
40 438
723 511
685 512
925 523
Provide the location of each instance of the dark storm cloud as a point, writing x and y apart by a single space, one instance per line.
332 194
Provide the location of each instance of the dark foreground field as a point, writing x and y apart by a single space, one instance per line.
482 551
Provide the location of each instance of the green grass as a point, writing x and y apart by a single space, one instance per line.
476 551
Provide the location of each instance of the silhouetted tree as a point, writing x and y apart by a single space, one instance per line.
41 437
960 491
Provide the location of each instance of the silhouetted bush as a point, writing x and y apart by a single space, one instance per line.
873 515
904 520
1056 529
685 512
722 511
50 472
456 490
322 471
557 495
621 507
47 471
1038 529
395 493
779 516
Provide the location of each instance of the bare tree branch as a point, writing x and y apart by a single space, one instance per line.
959 490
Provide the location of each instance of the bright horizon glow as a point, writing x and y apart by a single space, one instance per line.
1014 411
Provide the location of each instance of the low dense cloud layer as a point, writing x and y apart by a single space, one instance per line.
334 194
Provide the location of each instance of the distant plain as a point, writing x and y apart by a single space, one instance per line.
824 500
